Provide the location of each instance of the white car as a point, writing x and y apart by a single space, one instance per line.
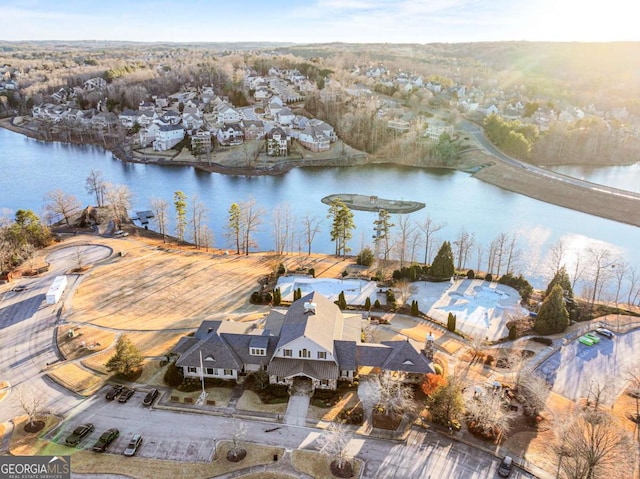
604 332
133 446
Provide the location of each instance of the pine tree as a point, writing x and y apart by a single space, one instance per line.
180 203
342 302
553 316
367 304
442 266
415 311
127 357
451 322
561 278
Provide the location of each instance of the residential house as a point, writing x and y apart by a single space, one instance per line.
300 122
170 117
148 135
314 139
325 127
147 106
167 137
192 121
94 84
312 341
436 128
285 116
275 105
230 134
161 101
227 114
398 124
253 129
201 141
146 117
490 109
277 142
128 118
261 94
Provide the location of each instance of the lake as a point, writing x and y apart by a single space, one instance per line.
31 168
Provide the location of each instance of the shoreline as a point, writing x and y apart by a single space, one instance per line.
596 202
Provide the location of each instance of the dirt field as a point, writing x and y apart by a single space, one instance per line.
157 293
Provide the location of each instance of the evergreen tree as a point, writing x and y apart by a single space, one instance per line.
561 278
451 322
367 304
415 311
180 203
342 225
553 316
446 402
342 302
442 266
234 225
127 357
276 297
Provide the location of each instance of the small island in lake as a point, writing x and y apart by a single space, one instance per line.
373 203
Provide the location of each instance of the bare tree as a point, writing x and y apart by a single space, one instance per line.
30 402
463 242
596 446
513 254
487 415
310 227
58 203
405 290
198 218
96 185
499 245
118 199
429 227
335 442
206 237
282 223
406 227
556 258
252 216
394 396
479 255
160 208
633 376
578 270
602 264
633 278
533 391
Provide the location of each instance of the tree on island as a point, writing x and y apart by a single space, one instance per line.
342 225
335 442
442 266
553 316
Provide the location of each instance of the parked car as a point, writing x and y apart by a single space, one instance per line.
133 445
107 438
505 467
114 391
593 337
586 340
125 394
150 397
604 332
20 287
78 434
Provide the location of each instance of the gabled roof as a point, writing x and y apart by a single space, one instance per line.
308 367
322 325
345 353
404 357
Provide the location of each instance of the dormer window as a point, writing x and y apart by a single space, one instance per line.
258 351
304 353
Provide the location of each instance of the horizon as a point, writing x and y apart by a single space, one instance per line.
320 21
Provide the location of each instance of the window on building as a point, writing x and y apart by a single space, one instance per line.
322 355
258 351
209 371
287 352
228 372
304 353
324 382
191 369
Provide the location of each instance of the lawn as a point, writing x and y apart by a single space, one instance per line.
317 465
82 381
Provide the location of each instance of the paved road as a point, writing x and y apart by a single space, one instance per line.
478 134
27 325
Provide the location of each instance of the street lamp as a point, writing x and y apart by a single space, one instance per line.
595 284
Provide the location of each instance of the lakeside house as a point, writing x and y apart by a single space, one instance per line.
312 340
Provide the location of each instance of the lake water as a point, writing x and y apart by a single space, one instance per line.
626 177
30 168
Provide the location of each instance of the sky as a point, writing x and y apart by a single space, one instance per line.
319 21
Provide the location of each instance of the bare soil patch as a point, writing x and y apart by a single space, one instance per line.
84 340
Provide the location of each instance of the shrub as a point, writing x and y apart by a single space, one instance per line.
513 333
281 269
451 322
365 258
256 297
488 277
489 359
541 340
312 272
415 311
344 273
267 298
173 376
471 274
438 369
377 304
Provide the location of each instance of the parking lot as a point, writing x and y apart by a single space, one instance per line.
576 367
160 439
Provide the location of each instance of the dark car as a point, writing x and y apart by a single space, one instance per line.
78 434
114 391
150 397
125 395
133 445
107 438
19 288
505 467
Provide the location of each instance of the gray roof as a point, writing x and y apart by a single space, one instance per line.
308 367
322 325
216 353
345 354
404 357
